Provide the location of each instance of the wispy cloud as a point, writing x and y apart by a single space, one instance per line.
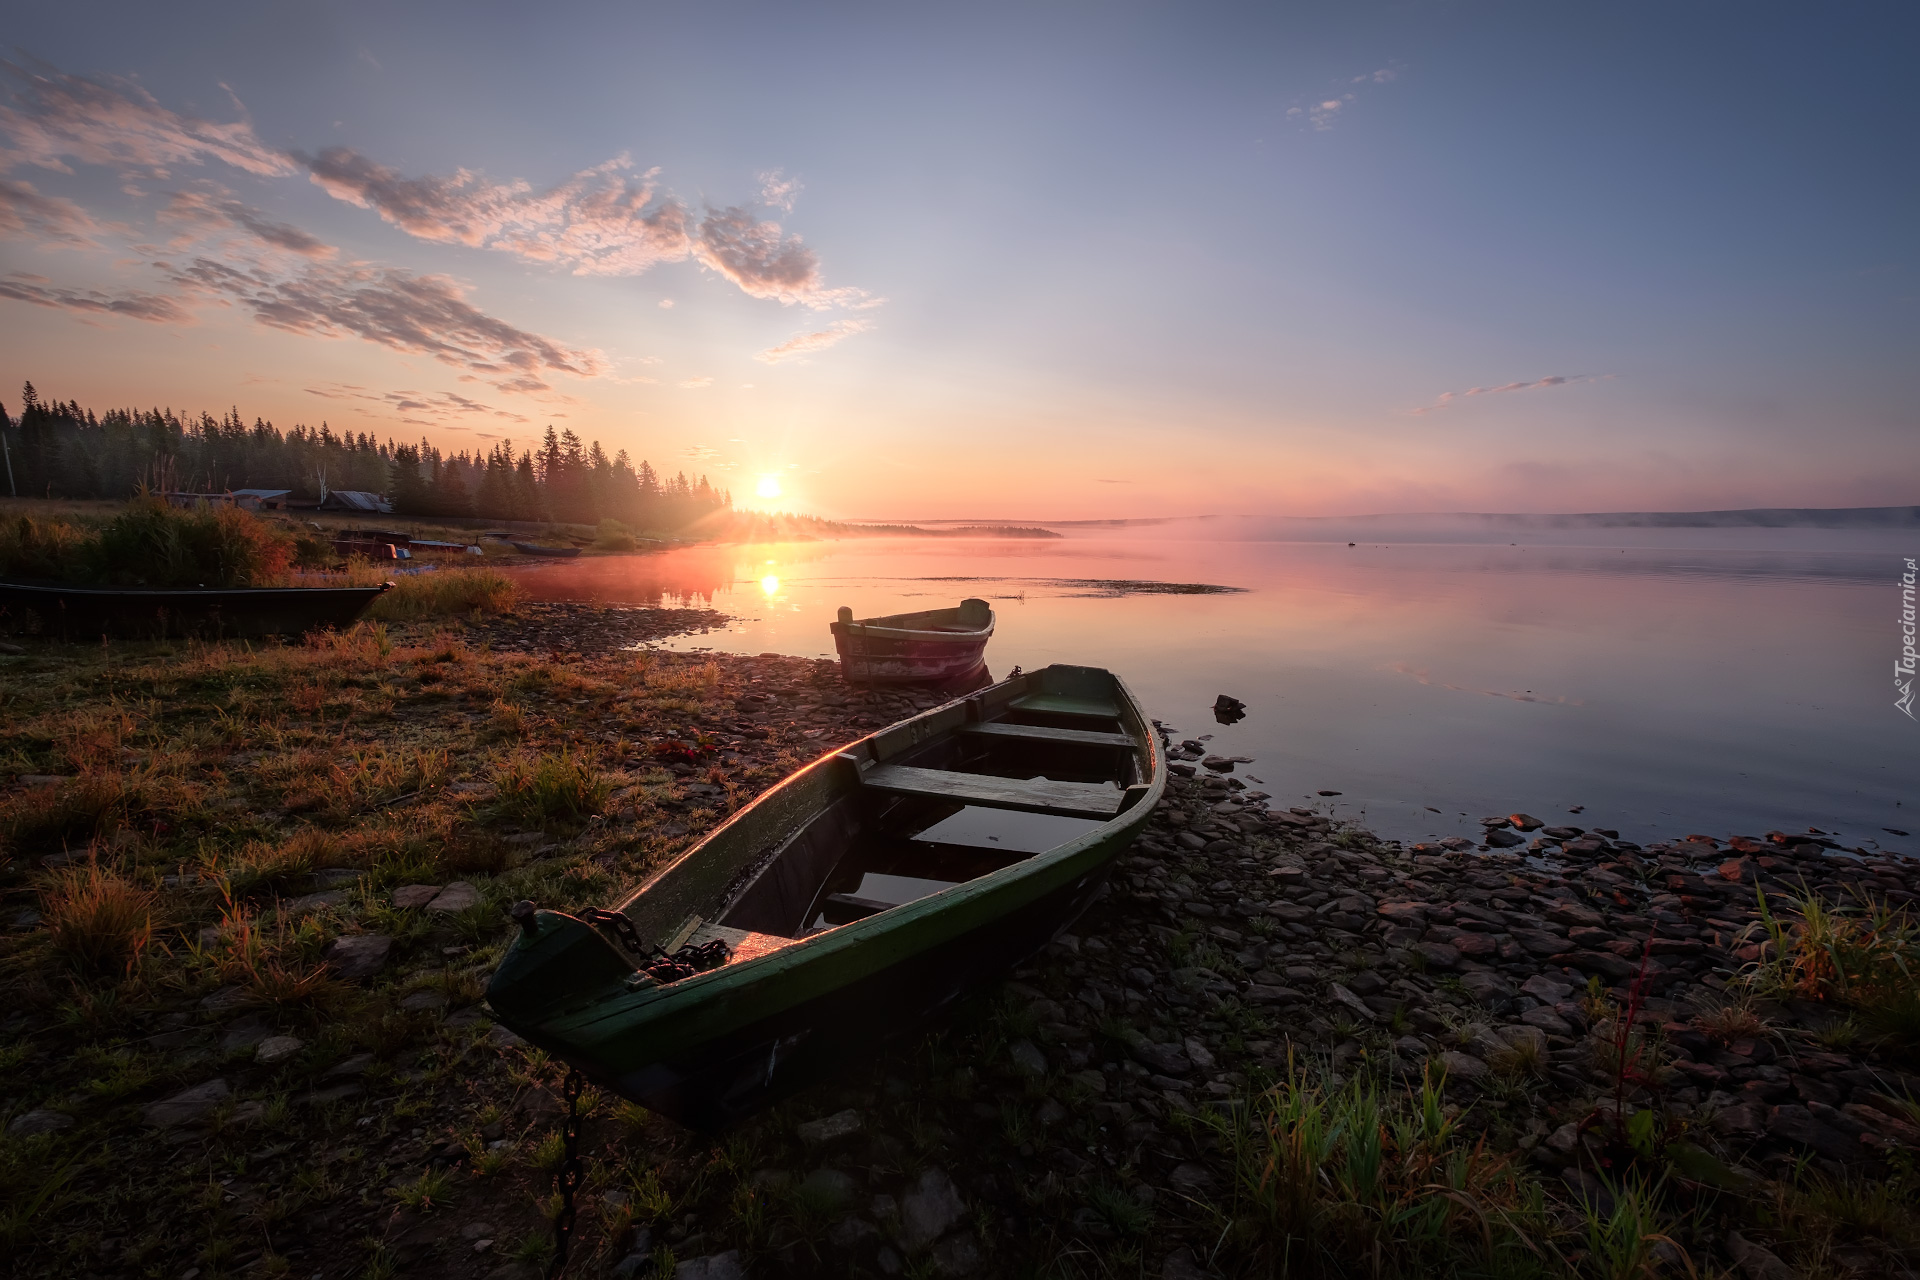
426 315
1322 114
1553 380
52 118
24 212
201 211
133 305
819 340
778 191
697 384
424 409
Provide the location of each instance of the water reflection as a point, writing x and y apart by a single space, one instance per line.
1724 688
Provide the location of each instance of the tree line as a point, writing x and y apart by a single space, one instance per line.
57 450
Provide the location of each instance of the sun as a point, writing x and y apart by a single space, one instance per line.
769 487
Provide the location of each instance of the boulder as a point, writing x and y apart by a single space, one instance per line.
38 1121
929 1210
459 896
275 1050
411 896
1463 1066
714 1266
358 955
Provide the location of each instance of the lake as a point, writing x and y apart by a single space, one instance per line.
1660 682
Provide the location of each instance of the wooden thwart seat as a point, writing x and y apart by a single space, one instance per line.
1040 733
1064 799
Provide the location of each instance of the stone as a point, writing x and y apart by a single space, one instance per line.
1502 839
354 1065
1547 1020
245 1034
275 1050
230 999
38 1121
957 1255
1027 1058
321 901
841 1124
1572 914
1163 1059
1797 1125
1756 1261
1486 987
1525 821
1438 955
188 1107
355 956
929 1210
1190 1178
1463 1066
1351 1002
1547 990
1743 1120
424 1002
715 1266
409 897
460 896
1600 963
1201 1056
1180 1265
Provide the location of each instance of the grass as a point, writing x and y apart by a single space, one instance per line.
1863 958
1325 1177
447 592
96 919
560 787
150 544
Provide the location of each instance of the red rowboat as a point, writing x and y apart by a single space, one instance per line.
939 644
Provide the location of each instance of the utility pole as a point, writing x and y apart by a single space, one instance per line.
8 454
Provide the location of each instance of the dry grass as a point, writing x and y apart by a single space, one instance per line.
51 817
1862 957
99 921
561 787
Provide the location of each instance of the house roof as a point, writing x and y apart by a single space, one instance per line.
356 500
261 493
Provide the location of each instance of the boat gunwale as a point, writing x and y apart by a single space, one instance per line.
880 628
181 593
821 946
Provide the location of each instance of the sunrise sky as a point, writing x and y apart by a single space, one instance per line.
1035 260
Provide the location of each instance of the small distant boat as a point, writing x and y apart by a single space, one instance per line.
860 895
560 553
937 645
75 612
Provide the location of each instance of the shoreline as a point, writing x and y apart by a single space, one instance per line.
342 804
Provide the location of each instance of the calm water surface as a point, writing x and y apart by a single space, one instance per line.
1674 681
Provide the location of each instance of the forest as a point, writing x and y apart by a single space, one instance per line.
56 450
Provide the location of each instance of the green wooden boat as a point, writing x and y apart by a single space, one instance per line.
856 898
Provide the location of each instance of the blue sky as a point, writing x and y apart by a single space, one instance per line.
1050 260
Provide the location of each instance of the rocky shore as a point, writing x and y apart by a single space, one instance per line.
336 1102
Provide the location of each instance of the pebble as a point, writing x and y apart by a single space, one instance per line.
841 1124
193 1106
275 1050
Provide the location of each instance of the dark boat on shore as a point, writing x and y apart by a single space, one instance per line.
927 647
72 612
853 900
530 549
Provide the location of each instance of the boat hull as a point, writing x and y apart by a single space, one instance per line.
723 1080
711 1048
69 612
880 660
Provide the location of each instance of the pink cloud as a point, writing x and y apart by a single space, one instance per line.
203 211
52 118
426 315
1554 380
25 212
807 343
134 305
